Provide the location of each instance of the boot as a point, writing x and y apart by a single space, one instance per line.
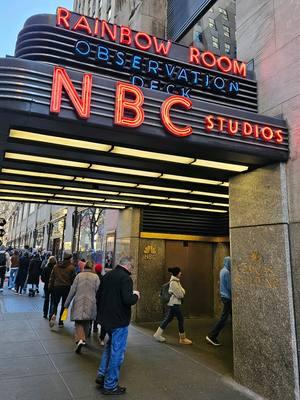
158 335
183 339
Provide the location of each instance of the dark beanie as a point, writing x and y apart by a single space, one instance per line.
174 270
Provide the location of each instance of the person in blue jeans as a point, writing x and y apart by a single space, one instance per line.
225 292
114 300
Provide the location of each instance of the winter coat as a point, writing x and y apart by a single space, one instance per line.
22 271
46 273
15 261
63 274
176 290
115 298
34 271
83 293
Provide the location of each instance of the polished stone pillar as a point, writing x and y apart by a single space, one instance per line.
264 335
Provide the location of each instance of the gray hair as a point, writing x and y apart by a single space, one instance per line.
126 260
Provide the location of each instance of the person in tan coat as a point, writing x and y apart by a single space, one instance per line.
177 293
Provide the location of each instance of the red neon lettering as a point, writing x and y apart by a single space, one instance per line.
106 31
233 127
166 118
162 47
239 68
61 80
267 134
247 129
125 35
256 131
209 123
62 17
221 121
82 25
279 136
122 104
96 27
194 56
144 37
224 64
208 59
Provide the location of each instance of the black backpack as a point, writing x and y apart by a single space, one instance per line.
164 293
2 259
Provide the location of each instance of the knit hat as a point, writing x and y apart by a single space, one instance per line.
98 268
174 270
67 255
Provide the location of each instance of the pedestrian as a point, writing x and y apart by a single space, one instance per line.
84 308
45 277
4 265
115 298
60 282
98 270
22 272
14 261
225 293
177 293
34 273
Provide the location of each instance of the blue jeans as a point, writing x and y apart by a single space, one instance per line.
113 357
12 277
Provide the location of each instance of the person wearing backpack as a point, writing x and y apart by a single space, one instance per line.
4 264
176 293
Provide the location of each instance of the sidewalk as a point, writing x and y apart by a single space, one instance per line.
37 363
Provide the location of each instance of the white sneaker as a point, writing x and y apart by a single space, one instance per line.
1 290
52 321
78 346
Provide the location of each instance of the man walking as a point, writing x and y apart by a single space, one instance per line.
225 292
4 264
61 279
115 298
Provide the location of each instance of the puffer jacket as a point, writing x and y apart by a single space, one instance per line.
176 290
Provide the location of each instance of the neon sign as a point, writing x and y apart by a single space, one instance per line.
162 74
129 111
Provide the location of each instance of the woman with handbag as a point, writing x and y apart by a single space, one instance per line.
174 308
84 309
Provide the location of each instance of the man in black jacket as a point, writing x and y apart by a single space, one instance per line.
115 298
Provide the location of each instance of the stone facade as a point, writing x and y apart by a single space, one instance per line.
264 242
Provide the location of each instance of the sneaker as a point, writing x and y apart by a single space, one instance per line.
116 391
100 381
102 343
1 290
52 321
213 341
79 346
61 324
45 316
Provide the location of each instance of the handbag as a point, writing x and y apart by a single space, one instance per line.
64 315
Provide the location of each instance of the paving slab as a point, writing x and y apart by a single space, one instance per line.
39 363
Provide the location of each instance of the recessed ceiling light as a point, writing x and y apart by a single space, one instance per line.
45 160
189 201
210 194
163 188
27 184
208 209
103 205
141 203
105 182
25 199
146 196
190 179
26 192
220 165
36 174
126 171
77 189
58 140
73 203
168 206
79 197
151 155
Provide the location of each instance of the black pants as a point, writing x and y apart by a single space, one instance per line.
46 301
2 276
59 293
227 310
174 311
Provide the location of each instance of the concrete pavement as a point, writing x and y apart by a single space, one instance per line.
37 363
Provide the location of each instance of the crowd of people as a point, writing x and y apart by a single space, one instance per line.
97 298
